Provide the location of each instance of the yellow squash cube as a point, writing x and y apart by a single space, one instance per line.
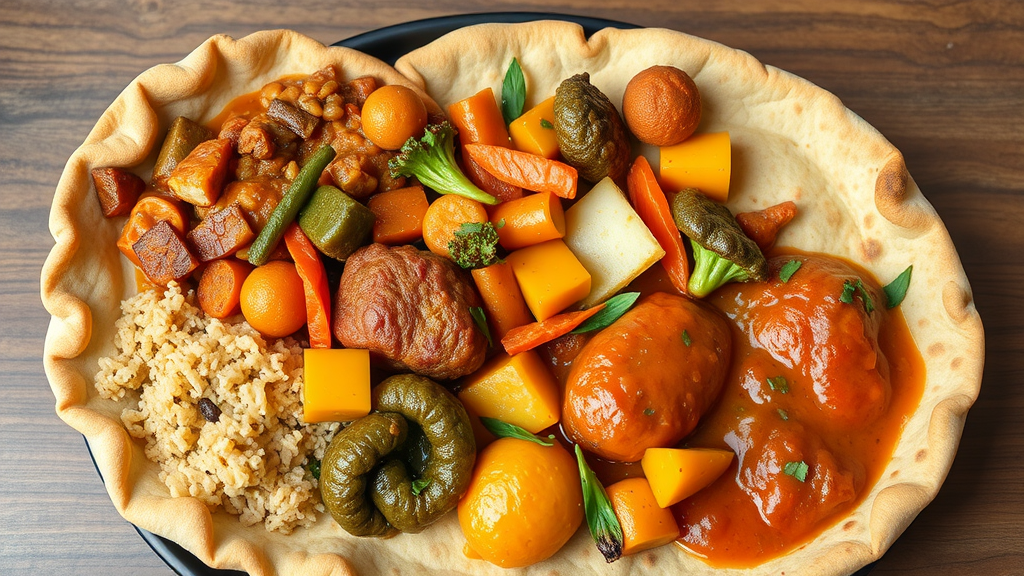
337 384
678 473
702 161
516 389
550 277
534 131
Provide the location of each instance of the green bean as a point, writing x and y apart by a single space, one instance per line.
292 201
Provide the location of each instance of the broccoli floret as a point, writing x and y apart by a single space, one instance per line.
721 251
432 160
475 245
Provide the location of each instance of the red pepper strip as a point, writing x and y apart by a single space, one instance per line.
314 280
530 336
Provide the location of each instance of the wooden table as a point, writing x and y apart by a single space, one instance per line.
944 81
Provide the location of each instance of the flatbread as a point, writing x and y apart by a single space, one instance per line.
791 141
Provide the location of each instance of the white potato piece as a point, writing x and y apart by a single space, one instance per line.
610 240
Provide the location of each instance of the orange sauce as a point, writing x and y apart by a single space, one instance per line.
247 105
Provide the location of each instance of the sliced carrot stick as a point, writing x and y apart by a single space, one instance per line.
399 215
479 120
763 226
314 283
503 300
532 335
446 215
525 170
529 220
503 191
652 207
220 286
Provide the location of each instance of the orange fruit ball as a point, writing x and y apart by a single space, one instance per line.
273 300
661 105
391 115
523 504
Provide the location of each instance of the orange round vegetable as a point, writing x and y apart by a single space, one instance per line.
273 300
523 504
220 286
446 215
645 525
662 105
393 114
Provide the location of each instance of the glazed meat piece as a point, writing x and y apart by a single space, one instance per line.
411 310
645 381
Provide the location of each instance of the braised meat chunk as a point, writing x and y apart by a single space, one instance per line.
411 309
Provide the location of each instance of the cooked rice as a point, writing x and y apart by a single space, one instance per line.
252 460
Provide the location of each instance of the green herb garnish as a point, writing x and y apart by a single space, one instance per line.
788 269
613 309
797 470
513 92
419 485
481 322
686 338
314 467
896 290
604 525
506 430
545 124
856 287
783 414
649 412
779 383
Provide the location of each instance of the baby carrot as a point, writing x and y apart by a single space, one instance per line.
503 300
652 207
399 215
220 286
446 215
530 336
530 220
525 170
479 120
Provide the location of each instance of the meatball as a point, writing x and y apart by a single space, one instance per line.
410 309
644 381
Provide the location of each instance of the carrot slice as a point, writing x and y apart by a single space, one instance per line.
479 120
763 226
525 170
532 335
314 282
503 300
220 286
650 203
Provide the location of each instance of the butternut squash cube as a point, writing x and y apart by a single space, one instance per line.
337 384
534 131
645 525
702 161
678 473
550 277
610 240
516 389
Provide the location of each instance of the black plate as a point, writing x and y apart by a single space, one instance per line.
388 44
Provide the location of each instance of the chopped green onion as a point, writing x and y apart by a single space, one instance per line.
686 338
481 322
856 286
896 290
649 412
613 309
783 414
604 525
788 269
545 124
506 430
314 467
419 485
779 383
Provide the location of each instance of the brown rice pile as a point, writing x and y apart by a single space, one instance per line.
251 460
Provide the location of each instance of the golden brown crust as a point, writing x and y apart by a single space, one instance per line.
791 141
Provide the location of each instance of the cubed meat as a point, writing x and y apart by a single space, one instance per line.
149 210
163 254
232 129
220 234
199 178
117 189
300 122
256 199
354 175
256 140
356 91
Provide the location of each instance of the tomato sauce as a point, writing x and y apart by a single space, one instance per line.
809 445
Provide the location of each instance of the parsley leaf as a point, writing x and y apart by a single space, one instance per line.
649 412
506 430
788 269
896 290
481 322
779 383
419 485
513 92
783 414
314 467
797 470
545 124
613 309
856 287
686 338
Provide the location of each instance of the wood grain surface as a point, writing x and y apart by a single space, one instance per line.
943 80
